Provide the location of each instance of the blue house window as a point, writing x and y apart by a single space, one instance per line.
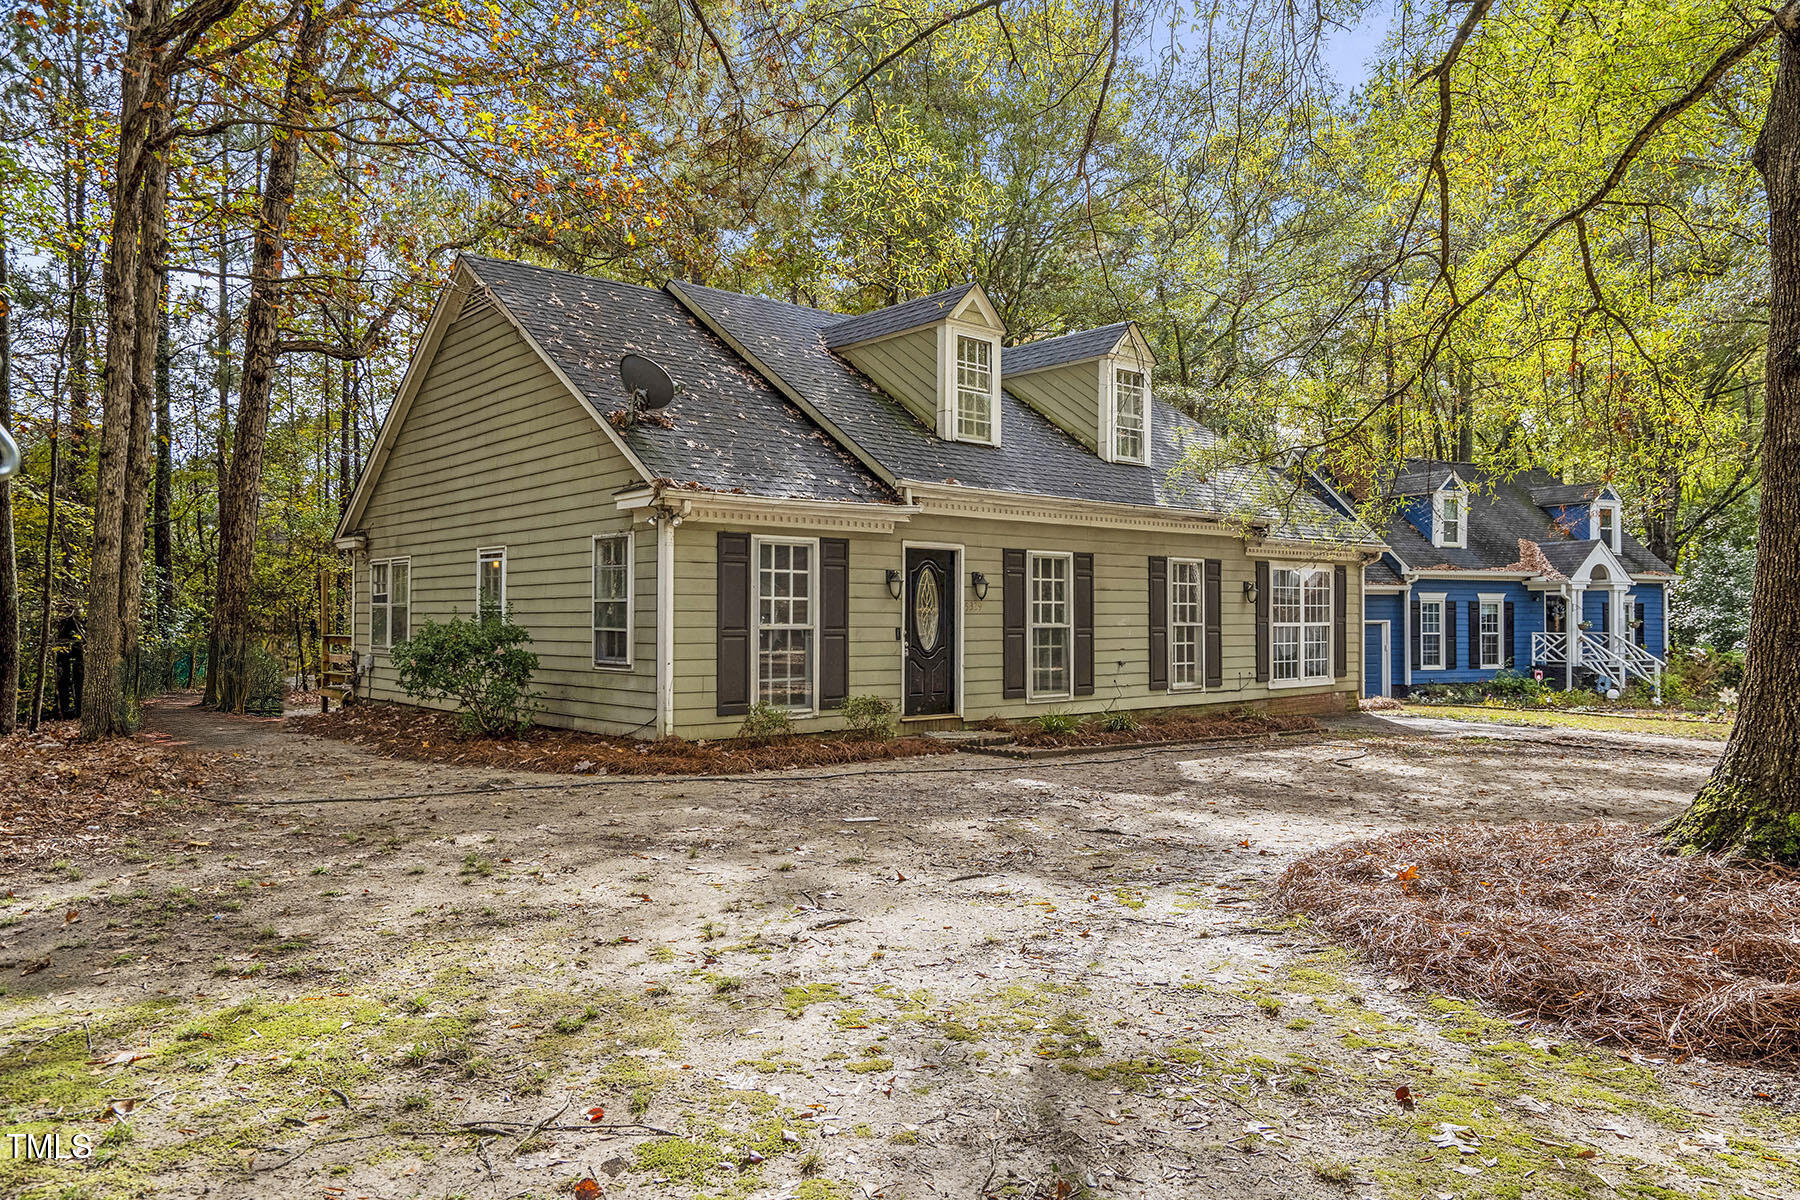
1431 631
1492 653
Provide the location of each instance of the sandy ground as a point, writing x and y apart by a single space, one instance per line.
953 977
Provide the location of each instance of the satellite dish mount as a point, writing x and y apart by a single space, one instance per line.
647 385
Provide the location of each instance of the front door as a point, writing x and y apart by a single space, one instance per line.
1375 658
931 595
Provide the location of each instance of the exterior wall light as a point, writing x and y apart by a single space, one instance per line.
893 583
1249 591
979 583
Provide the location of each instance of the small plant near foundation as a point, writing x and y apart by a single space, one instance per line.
765 723
869 716
1058 723
1117 722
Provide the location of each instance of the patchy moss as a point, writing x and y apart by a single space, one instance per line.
797 999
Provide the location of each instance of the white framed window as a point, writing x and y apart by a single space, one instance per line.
390 602
1490 618
1186 622
1449 517
612 600
1431 632
490 583
1050 634
1606 525
974 388
1300 624
786 622
1130 404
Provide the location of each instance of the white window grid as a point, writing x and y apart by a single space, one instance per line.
1050 633
1490 624
1186 622
490 583
1431 633
1128 415
1300 620
974 388
390 602
786 618
612 600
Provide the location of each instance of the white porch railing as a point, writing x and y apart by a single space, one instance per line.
1614 658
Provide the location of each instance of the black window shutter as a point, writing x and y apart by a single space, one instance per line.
1084 624
1448 660
1012 610
733 653
1643 625
1510 656
1262 622
1159 623
1215 656
834 621
1474 633
1417 660
1340 633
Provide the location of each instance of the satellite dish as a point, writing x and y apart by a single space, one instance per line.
647 384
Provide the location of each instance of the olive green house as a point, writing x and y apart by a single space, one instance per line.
897 504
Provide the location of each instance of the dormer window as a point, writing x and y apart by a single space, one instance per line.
1449 516
1606 526
1128 416
974 389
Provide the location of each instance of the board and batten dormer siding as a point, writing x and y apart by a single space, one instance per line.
1122 676
495 452
1067 395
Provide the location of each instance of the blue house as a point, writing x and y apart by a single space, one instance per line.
1486 572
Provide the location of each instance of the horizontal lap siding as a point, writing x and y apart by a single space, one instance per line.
1069 395
1121 619
1528 618
905 367
495 452
1656 617
1389 607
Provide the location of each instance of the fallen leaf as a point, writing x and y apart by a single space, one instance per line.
595 1113
1404 1095
588 1189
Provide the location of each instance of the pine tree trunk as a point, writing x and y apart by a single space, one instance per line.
103 695
162 534
1751 805
240 497
9 550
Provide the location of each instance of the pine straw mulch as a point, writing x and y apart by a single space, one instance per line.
1176 727
425 735
60 794
1589 924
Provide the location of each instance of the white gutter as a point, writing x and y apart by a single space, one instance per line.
665 623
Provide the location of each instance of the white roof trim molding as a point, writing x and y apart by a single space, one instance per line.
985 311
1602 555
464 284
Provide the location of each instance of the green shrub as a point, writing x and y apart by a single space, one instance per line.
869 716
1112 721
1057 723
482 665
765 723
265 686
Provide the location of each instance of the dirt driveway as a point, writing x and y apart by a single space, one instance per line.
957 977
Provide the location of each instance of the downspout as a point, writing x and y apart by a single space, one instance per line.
1406 634
666 521
1571 624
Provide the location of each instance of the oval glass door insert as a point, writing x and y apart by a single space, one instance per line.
926 602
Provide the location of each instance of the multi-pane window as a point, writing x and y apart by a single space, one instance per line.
390 602
1185 622
612 600
1128 416
1431 633
1450 520
1609 527
974 389
785 624
1050 632
1489 632
1300 623
490 584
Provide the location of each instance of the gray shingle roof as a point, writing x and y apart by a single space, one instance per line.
1036 457
1565 493
896 318
1566 556
729 430
1502 510
1059 351
1379 574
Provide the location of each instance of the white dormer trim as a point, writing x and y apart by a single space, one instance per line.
1618 575
948 332
1130 353
976 309
1452 486
1607 502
